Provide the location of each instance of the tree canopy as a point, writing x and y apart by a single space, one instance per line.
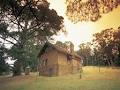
85 52
89 10
24 24
29 18
108 45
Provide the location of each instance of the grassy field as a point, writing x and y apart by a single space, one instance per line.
92 79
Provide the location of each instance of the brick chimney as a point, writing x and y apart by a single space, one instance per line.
70 47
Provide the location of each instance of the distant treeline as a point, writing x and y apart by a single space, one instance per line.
103 50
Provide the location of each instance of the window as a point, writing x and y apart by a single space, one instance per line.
46 62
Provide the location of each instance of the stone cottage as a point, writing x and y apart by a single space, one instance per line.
56 61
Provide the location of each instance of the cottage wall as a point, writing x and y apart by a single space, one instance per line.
64 66
76 65
57 64
49 67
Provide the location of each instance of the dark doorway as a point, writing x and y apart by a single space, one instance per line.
50 72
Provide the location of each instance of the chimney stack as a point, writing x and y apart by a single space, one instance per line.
70 47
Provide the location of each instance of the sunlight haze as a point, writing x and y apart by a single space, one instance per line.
82 32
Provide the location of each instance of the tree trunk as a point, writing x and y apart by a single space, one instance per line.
17 68
118 62
19 62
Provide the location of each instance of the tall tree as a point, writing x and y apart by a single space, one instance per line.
117 46
85 52
22 20
105 41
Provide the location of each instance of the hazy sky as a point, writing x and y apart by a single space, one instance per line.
82 31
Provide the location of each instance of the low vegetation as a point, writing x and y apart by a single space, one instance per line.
92 79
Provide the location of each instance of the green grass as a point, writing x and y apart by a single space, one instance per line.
92 79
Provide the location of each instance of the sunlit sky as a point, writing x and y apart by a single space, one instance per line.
82 32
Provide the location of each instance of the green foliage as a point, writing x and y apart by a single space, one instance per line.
107 46
60 44
27 55
65 45
31 53
85 52
104 50
4 67
21 22
17 68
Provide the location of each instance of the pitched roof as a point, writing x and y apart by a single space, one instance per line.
59 49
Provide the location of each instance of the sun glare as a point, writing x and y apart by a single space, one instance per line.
77 33
83 31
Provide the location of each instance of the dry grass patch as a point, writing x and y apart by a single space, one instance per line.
92 79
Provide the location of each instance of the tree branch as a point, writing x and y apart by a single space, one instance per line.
7 40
